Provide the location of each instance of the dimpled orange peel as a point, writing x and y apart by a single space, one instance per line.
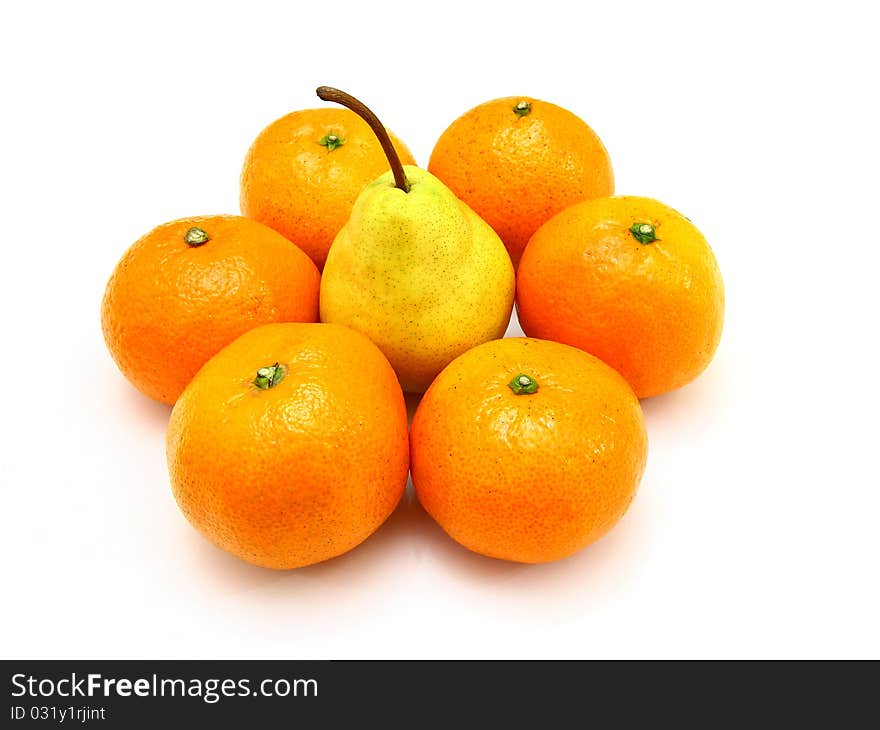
629 280
527 450
304 171
517 161
290 446
188 288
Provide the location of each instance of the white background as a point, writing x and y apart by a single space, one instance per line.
755 532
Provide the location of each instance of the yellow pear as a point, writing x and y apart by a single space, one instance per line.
415 269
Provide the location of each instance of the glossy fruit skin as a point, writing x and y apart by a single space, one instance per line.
300 472
169 306
534 477
652 311
517 171
420 274
304 190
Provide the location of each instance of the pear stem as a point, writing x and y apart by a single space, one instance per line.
328 93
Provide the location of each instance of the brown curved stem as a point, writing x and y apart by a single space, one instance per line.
328 93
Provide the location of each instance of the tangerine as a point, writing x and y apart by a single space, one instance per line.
518 161
290 445
629 280
527 450
189 287
304 171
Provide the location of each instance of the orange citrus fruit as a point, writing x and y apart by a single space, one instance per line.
527 450
629 280
304 171
517 161
290 445
188 288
